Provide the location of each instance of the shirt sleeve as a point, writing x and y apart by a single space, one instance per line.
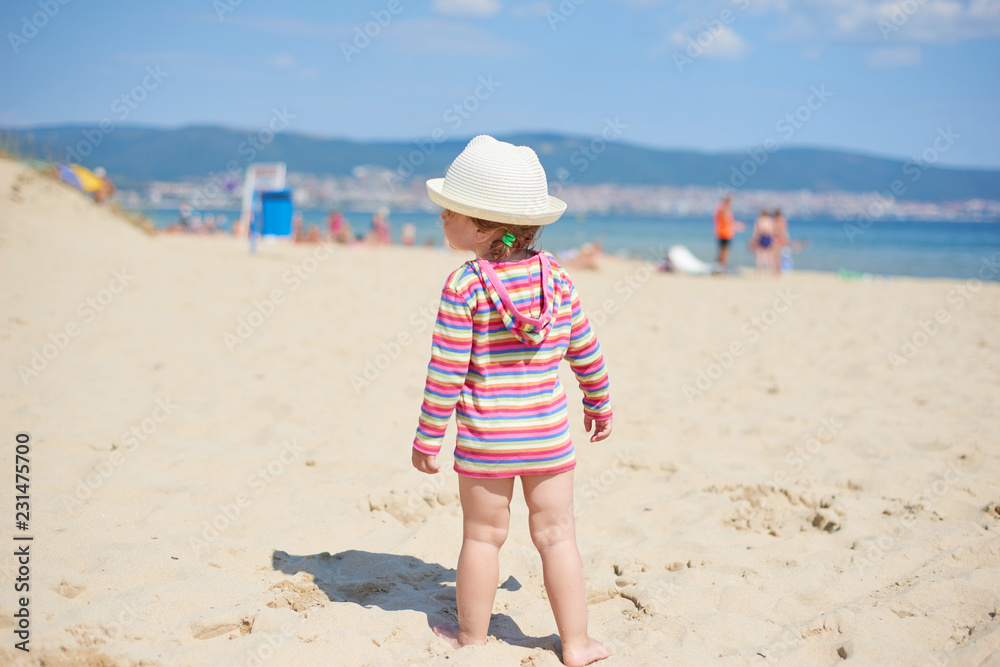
585 358
451 351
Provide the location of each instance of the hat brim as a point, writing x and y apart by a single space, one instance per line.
556 207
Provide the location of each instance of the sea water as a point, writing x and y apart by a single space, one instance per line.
887 247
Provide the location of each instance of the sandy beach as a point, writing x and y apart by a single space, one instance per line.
803 471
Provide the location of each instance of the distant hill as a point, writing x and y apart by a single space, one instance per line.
136 155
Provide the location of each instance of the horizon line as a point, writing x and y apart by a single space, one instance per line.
649 147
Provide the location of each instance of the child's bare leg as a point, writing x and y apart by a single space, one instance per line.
486 516
553 530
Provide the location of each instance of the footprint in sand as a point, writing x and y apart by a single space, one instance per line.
778 511
233 625
409 507
647 587
68 590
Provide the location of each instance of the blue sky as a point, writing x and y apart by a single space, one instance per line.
875 77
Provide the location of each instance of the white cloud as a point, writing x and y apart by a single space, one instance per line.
282 60
480 8
985 9
643 4
727 45
724 43
438 36
534 11
928 21
853 21
793 28
763 6
279 25
893 56
811 53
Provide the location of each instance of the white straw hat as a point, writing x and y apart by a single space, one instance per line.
496 181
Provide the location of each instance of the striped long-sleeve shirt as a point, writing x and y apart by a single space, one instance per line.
501 331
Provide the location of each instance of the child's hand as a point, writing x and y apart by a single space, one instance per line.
425 462
602 431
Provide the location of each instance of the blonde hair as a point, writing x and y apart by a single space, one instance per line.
524 237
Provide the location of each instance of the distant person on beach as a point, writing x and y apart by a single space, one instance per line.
782 243
587 256
725 229
763 243
340 228
241 226
380 232
184 217
107 189
499 365
408 234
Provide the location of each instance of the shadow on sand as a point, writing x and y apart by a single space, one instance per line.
396 583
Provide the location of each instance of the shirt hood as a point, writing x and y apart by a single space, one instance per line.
529 330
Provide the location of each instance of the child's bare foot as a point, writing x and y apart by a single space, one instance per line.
449 633
585 654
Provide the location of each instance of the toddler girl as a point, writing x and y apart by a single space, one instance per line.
505 321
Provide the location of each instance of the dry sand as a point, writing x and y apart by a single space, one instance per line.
196 501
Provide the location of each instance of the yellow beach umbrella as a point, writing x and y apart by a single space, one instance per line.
88 179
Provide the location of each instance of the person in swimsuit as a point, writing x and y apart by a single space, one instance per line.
506 320
725 229
781 241
762 240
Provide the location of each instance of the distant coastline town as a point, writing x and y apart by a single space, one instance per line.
369 188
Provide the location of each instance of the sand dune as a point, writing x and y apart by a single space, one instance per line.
220 469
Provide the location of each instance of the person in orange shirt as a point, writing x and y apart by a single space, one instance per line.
725 228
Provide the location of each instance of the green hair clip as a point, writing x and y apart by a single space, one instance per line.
508 240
